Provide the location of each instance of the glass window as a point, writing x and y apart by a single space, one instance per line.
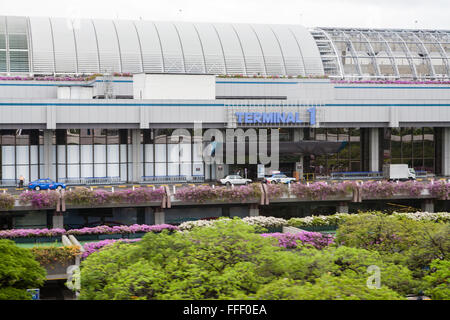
18 61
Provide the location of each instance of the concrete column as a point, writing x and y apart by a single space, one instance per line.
428 205
160 216
342 207
445 151
48 155
149 217
253 210
58 221
136 155
374 151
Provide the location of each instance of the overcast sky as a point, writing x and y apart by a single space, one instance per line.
424 14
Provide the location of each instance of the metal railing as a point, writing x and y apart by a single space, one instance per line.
9 182
173 179
357 175
90 180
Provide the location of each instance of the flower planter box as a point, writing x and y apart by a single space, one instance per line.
136 235
319 228
24 240
46 239
86 237
274 229
110 236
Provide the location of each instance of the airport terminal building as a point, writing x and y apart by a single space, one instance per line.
98 100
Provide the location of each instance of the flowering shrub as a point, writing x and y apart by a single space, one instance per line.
320 190
30 233
207 193
275 191
39 199
378 189
123 229
6 201
339 218
91 247
189 225
424 216
265 222
293 240
321 220
47 256
86 196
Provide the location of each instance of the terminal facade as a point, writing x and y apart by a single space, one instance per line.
99 100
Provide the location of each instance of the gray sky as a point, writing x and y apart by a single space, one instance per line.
424 14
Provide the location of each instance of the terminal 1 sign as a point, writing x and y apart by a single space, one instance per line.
275 117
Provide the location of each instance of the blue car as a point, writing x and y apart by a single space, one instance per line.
44 184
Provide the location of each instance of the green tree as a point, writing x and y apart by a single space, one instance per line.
439 280
230 261
326 287
18 271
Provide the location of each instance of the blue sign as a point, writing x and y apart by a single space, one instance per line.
275 117
35 293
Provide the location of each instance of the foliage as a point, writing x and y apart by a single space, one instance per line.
31 233
325 288
7 201
91 247
18 271
439 280
229 261
413 243
339 218
48 256
40 199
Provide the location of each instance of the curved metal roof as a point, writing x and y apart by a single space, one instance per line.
57 46
383 53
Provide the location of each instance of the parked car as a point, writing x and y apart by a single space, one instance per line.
234 179
44 184
279 178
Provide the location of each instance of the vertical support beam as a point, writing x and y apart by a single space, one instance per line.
149 217
58 221
160 216
253 210
374 152
299 135
445 152
48 155
342 207
428 205
136 154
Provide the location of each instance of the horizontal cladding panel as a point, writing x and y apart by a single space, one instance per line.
189 111
392 92
65 51
42 44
